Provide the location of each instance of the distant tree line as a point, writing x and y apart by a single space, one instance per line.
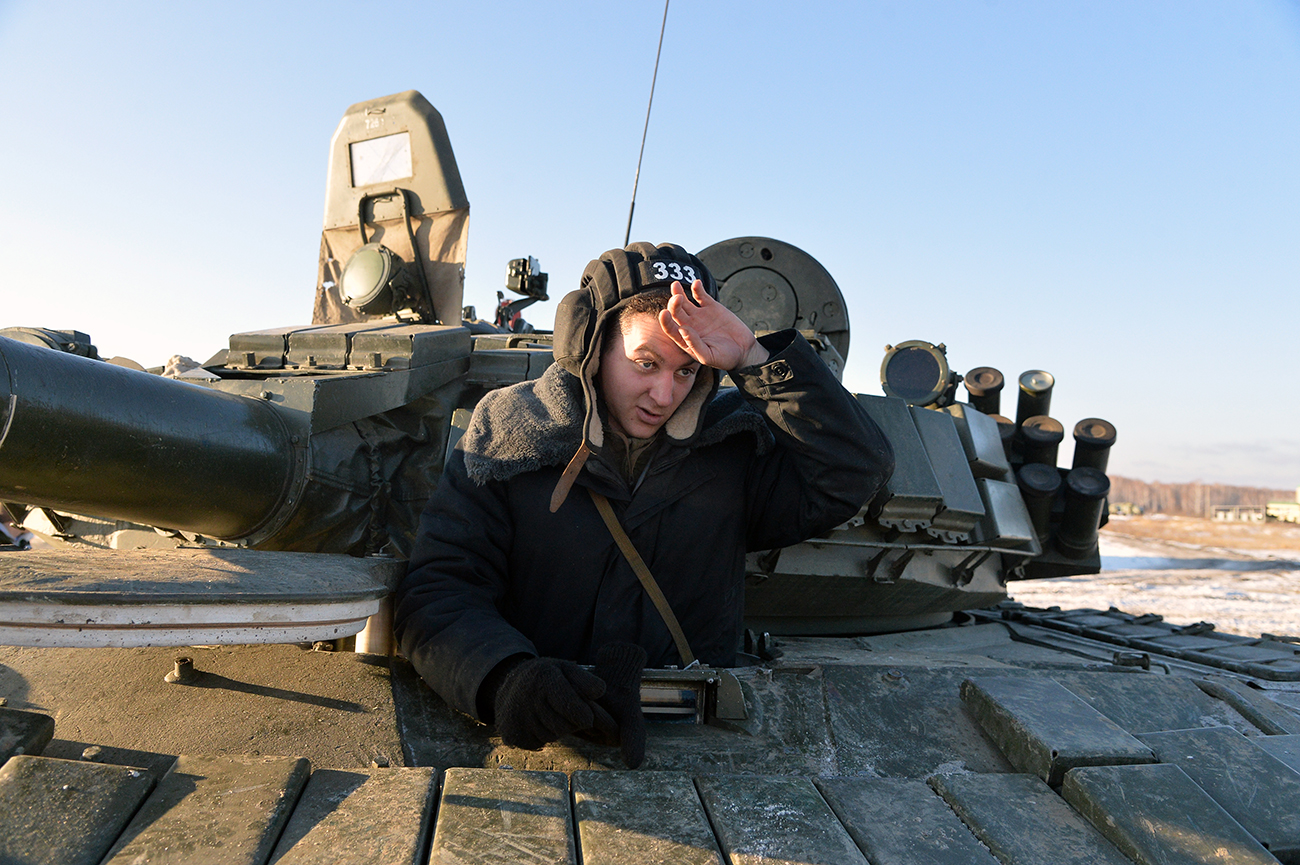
1192 499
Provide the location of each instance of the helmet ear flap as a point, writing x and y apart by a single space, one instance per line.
575 324
581 312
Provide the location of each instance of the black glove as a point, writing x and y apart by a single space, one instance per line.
541 699
620 665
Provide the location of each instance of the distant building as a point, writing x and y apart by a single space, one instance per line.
1286 511
1238 513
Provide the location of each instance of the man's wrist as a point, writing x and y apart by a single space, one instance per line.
485 700
755 356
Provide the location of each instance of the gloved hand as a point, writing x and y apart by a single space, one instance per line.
620 665
542 699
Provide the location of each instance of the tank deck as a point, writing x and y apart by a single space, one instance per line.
1014 740
241 809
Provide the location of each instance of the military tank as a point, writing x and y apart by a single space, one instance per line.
199 668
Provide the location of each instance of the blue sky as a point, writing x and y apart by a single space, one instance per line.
1107 190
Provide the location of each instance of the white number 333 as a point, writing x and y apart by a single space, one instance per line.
673 270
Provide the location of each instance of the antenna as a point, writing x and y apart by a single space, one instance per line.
627 238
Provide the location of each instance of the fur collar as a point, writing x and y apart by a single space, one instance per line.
538 423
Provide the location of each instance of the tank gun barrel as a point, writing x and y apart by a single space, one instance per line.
94 438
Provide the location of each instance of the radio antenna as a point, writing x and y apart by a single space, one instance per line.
627 238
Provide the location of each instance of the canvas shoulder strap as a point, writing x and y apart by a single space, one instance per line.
643 574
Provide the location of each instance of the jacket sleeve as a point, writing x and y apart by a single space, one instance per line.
830 457
447 621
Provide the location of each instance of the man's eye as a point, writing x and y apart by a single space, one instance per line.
646 365
687 372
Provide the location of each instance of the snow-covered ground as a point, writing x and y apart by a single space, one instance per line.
1244 577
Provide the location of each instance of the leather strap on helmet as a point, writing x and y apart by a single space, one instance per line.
570 475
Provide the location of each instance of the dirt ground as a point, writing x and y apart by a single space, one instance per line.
1254 537
1244 577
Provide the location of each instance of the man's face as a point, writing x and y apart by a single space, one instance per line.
644 376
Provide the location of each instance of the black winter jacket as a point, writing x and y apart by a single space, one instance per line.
788 455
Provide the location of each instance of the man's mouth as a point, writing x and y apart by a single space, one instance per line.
647 416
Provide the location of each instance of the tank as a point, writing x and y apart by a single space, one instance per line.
199 668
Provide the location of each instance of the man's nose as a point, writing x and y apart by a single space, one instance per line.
661 389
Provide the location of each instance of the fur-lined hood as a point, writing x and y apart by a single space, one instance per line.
535 424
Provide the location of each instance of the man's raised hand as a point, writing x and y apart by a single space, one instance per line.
708 331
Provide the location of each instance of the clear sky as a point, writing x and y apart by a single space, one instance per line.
1106 190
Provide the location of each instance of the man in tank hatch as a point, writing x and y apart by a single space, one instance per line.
519 573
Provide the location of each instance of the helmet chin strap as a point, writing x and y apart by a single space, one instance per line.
569 476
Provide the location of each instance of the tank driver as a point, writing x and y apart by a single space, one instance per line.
601 513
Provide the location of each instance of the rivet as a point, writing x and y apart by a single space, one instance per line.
183 673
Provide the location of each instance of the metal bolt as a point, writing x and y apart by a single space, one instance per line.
4 701
894 674
92 753
183 673
380 762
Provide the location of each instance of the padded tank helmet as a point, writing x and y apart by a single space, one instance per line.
581 320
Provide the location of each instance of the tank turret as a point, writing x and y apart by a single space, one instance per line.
953 525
